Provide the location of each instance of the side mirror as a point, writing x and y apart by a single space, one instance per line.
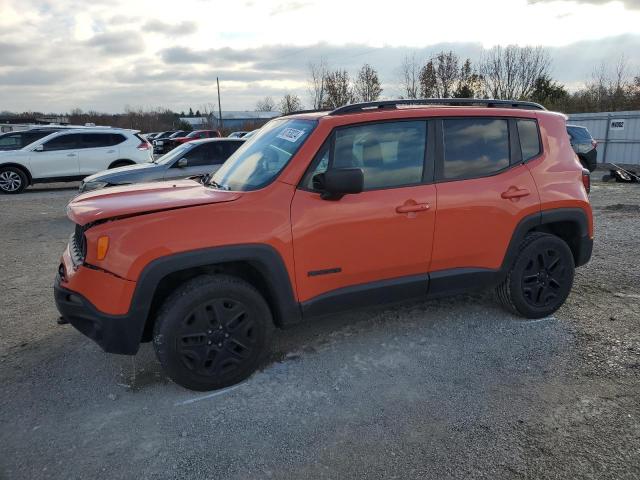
336 183
183 162
39 148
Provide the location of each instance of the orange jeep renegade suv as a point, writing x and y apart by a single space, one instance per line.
325 211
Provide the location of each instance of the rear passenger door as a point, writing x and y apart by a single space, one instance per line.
376 243
98 151
484 189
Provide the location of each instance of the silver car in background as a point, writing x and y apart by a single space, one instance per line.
199 157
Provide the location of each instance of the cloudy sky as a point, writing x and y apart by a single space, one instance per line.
56 55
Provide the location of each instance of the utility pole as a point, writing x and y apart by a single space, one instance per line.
219 107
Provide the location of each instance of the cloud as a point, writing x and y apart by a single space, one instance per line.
34 76
117 43
630 4
288 7
177 29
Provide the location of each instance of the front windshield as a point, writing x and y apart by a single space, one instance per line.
176 153
260 160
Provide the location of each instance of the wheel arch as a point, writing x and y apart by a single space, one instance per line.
260 265
569 224
20 167
122 161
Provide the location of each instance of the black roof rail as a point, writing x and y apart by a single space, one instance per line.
450 102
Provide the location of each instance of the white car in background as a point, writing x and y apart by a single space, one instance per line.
70 155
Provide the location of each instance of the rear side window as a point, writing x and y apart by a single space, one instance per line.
97 140
390 154
579 134
529 138
63 142
474 147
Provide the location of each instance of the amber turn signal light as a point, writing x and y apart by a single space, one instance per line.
103 246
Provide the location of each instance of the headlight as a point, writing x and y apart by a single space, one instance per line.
88 186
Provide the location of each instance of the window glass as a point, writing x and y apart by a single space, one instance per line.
474 147
230 148
205 154
258 162
319 165
63 142
31 137
96 140
529 139
390 154
10 141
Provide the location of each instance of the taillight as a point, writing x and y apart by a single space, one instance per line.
594 143
586 180
144 146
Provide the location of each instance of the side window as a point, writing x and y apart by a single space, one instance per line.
212 154
529 138
390 154
229 149
319 164
474 147
63 142
117 139
96 140
10 141
195 156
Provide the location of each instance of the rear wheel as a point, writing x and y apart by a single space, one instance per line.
541 277
12 180
212 332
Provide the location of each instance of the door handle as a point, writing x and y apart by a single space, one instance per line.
71 154
515 193
110 151
412 207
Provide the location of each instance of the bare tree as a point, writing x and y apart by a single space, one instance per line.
367 87
265 105
410 77
511 72
290 103
338 89
317 83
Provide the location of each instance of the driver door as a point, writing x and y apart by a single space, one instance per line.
374 241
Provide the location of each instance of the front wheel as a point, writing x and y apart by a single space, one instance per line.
212 332
12 180
541 277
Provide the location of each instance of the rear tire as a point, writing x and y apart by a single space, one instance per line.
212 332
540 278
12 180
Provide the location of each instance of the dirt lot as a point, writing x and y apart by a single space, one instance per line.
454 388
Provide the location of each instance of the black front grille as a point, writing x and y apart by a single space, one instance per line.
78 245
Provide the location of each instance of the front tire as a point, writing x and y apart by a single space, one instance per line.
12 180
540 278
212 332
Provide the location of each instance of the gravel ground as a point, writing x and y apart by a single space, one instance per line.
454 388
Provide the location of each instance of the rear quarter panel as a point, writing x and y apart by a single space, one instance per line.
558 172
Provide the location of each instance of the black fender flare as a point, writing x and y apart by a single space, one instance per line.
576 216
264 258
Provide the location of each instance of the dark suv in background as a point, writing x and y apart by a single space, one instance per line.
584 145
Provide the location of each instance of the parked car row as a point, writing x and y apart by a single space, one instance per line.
164 144
118 156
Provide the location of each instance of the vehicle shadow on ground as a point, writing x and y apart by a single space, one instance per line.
427 323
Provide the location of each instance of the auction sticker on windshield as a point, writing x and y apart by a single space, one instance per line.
291 134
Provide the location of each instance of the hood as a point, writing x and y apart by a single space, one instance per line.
115 172
129 200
